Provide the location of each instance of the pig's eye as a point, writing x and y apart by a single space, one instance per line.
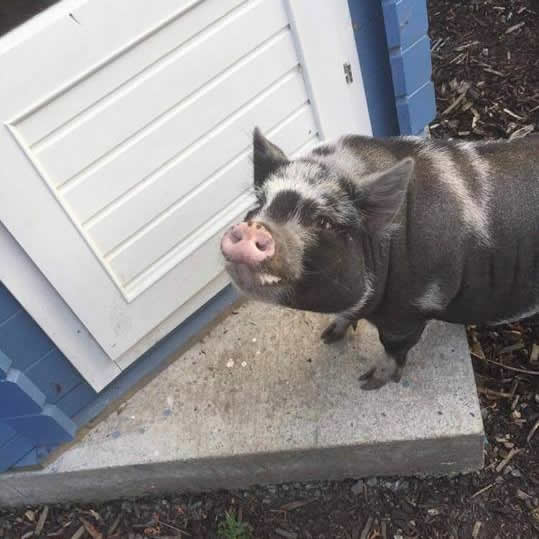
325 223
254 211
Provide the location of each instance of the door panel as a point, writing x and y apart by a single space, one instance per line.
180 175
126 132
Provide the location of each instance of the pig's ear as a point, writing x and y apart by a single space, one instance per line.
381 194
267 157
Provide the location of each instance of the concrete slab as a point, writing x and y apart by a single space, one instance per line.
261 400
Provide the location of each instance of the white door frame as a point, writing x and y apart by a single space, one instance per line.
323 61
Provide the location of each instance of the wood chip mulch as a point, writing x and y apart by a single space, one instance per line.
486 73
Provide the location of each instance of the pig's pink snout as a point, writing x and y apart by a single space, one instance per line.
247 243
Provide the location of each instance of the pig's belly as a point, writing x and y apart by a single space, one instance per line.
487 306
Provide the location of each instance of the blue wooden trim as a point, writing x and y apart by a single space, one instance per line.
23 341
49 426
410 67
416 110
406 27
5 365
406 21
13 451
77 399
54 375
30 460
19 396
6 433
9 306
369 32
34 378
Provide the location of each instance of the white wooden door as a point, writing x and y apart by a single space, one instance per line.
125 143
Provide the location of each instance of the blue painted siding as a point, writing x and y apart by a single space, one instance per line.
54 375
48 426
79 397
23 352
394 54
406 27
40 391
6 434
369 32
15 449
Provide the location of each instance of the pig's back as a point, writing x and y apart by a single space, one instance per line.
473 229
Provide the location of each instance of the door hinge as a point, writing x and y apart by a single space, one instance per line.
348 73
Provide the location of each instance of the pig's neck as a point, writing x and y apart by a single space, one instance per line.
384 257
376 254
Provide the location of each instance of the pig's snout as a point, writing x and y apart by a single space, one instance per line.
247 243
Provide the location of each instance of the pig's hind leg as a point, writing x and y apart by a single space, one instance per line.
396 348
337 329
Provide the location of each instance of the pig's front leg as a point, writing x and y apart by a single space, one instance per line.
337 329
397 343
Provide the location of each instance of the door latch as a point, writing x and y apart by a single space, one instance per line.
348 73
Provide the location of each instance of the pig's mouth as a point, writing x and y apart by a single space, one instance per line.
254 279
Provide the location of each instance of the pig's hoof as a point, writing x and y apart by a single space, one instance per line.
375 378
333 333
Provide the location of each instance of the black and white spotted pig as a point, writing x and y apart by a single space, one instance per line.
396 231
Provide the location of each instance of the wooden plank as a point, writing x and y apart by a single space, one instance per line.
6 433
23 341
86 45
163 87
189 18
54 376
142 157
14 450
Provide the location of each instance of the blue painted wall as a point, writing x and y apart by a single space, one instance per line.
44 400
369 32
394 53
406 24
40 392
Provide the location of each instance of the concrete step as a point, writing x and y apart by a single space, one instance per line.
262 400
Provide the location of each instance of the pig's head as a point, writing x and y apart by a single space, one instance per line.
308 242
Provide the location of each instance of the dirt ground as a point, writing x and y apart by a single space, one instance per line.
486 72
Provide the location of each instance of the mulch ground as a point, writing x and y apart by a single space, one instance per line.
486 72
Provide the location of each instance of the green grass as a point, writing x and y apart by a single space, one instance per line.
233 528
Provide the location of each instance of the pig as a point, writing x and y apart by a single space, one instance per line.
397 231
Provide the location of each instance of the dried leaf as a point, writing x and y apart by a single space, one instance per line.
476 528
515 27
114 525
294 505
507 459
532 432
366 529
95 514
79 533
30 515
285 533
42 519
91 529
484 489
